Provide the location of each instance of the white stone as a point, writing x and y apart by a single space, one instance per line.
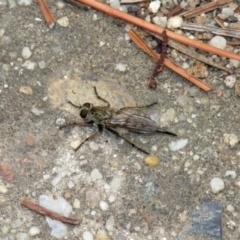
116 183
103 206
59 205
75 144
234 63
218 42
5 229
3 188
232 174
174 22
177 145
76 203
227 12
33 231
217 185
29 65
110 224
26 90
230 208
231 139
160 21
60 4
42 64
230 81
24 2
63 21
36 111
121 67
87 235
12 4
115 4
96 175
154 6
111 198
22 236
26 53
93 146
70 184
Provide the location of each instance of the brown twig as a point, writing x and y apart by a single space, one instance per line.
46 212
219 22
193 54
141 44
174 11
157 29
47 13
233 43
159 66
204 8
216 30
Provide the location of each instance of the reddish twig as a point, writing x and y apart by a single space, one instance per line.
46 212
159 66
47 13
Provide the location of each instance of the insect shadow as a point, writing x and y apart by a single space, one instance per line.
111 119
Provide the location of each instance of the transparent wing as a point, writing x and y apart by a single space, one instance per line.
135 123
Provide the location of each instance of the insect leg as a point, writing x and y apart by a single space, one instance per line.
126 139
104 100
140 107
100 130
76 106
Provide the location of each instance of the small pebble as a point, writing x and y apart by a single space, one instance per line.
63 22
36 111
42 64
230 81
232 174
60 4
29 65
33 231
110 224
121 67
103 206
231 139
24 2
3 188
76 203
87 235
230 208
115 4
26 90
174 22
92 198
154 6
102 235
217 185
93 146
30 140
234 63
111 198
75 144
22 236
218 41
96 175
60 121
26 53
160 21
151 161
6 67
5 229
177 145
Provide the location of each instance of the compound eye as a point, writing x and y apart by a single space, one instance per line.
87 105
83 113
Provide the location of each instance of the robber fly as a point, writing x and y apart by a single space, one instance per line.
110 119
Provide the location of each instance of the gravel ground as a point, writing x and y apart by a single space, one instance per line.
106 182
